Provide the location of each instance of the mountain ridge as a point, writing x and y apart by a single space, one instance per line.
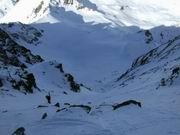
117 12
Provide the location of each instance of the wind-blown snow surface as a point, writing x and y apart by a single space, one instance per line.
97 55
144 14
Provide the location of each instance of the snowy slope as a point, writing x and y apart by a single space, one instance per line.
144 14
159 112
90 67
6 6
140 13
26 11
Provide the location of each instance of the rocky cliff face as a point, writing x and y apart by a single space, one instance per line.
163 60
15 60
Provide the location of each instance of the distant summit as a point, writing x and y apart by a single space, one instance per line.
144 14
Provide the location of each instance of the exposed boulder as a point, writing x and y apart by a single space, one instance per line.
44 116
85 107
48 98
1 84
57 105
60 67
74 86
19 131
176 71
42 106
125 103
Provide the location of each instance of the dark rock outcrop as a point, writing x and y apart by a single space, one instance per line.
68 2
74 86
57 105
11 53
156 55
149 36
19 131
1 84
27 83
44 116
39 7
85 107
48 98
169 80
22 33
60 67
125 103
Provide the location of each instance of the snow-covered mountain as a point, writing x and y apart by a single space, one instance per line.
140 13
89 67
6 5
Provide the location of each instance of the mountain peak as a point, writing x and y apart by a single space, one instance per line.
143 14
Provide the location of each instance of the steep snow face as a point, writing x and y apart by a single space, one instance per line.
27 11
6 5
144 14
140 13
